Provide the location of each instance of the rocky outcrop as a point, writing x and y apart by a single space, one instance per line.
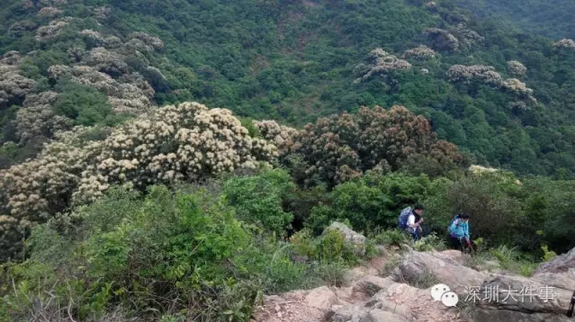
356 240
382 316
559 264
486 296
443 269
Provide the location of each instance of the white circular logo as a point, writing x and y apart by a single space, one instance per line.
438 290
449 299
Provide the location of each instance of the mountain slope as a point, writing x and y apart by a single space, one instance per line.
297 60
554 19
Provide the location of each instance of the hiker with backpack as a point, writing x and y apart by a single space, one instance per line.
410 221
459 232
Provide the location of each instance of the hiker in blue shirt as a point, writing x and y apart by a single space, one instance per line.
459 232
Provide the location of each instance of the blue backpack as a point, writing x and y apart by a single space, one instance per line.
451 223
402 221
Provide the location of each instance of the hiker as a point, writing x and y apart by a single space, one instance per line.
459 232
410 220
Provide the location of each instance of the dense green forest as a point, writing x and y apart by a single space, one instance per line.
553 18
297 60
175 160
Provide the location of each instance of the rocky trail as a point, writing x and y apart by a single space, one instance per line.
486 295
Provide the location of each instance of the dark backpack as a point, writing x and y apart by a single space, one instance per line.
402 220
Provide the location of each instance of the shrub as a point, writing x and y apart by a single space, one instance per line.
370 202
258 199
159 249
331 247
187 142
84 104
514 261
391 237
424 280
429 243
339 148
490 201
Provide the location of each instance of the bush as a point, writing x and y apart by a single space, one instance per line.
391 237
430 243
514 261
331 247
370 202
137 253
172 254
491 203
259 199
341 147
84 104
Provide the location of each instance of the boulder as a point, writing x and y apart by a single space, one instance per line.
321 298
490 266
372 284
452 256
559 264
563 280
382 316
380 301
352 313
357 273
491 315
355 239
412 304
458 277
521 294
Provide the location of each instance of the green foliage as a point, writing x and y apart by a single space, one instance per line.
549 18
371 201
547 254
330 247
391 237
180 255
430 243
278 60
252 129
142 253
514 261
84 104
258 199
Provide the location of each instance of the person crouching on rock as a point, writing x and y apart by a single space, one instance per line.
459 233
414 222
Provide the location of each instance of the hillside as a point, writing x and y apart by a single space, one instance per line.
294 61
183 160
553 19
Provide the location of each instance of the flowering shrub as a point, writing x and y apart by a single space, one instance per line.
338 148
185 142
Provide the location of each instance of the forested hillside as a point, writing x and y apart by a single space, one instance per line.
176 160
552 18
294 61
